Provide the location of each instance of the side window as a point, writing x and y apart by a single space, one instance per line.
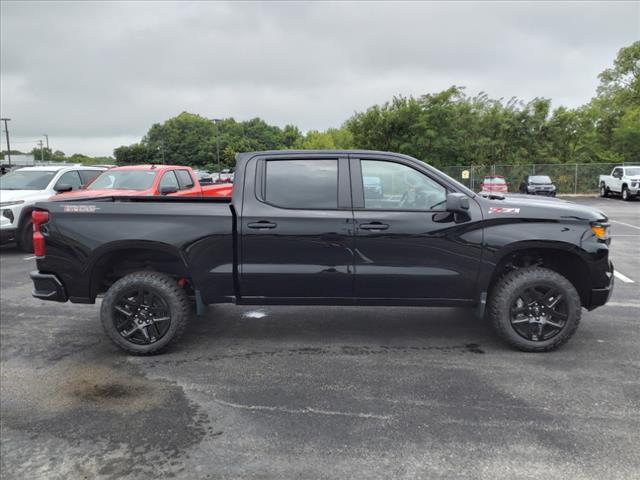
69 178
185 179
169 180
617 172
311 184
393 186
89 176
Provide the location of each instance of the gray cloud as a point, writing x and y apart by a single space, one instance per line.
95 75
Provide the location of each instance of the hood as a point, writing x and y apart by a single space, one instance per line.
28 196
540 208
99 193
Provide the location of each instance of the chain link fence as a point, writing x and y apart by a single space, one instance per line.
568 178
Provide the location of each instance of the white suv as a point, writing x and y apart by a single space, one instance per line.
22 188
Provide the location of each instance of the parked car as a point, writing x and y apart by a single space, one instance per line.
23 187
624 180
204 177
538 185
299 231
225 176
494 184
145 180
373 187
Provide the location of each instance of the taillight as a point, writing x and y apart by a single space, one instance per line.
38 217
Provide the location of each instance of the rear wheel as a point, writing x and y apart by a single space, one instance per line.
535 309
145 312
24 238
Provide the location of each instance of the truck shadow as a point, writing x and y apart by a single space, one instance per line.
391 327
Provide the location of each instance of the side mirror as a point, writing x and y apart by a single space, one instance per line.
167 189
457 202
63 187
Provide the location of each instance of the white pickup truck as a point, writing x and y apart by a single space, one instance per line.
624 180
22 188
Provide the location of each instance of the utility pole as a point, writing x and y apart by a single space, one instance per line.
47 137
215 121
6 130
41 150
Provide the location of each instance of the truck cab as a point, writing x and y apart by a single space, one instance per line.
624 180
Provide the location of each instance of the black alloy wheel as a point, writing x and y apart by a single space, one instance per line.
534 309
539 313
145 312
141 316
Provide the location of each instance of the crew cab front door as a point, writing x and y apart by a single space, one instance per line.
296 231
407 246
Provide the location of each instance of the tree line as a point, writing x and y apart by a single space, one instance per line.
444 128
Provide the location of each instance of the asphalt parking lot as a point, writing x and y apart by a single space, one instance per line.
299 392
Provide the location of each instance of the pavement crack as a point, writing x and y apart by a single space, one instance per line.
302 411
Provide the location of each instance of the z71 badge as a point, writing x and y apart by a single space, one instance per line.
507 210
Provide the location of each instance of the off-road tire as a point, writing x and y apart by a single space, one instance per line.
625 194
162 285
507 290
24 237
604 191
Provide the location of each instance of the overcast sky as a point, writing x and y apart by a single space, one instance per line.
96 75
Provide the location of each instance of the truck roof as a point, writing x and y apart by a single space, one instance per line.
55 168
150 167
326 153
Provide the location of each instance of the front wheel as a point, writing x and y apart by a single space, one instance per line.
535 309
625 194
603 190
144 312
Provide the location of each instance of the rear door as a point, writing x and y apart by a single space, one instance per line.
297 231
408 247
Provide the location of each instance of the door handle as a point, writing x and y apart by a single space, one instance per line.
373 226
262 224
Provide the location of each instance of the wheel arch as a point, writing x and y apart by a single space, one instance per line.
115 260
563 258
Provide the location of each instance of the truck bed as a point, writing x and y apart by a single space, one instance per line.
186 233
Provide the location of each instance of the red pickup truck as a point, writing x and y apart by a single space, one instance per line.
147 180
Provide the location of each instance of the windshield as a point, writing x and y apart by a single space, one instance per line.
494 181
124 180
633 171
26 180
539 179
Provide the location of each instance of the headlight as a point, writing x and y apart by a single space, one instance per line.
8 204
600 230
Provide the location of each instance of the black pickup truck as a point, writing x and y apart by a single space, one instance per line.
326 228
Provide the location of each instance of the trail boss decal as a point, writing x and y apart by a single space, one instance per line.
79 208
506 210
